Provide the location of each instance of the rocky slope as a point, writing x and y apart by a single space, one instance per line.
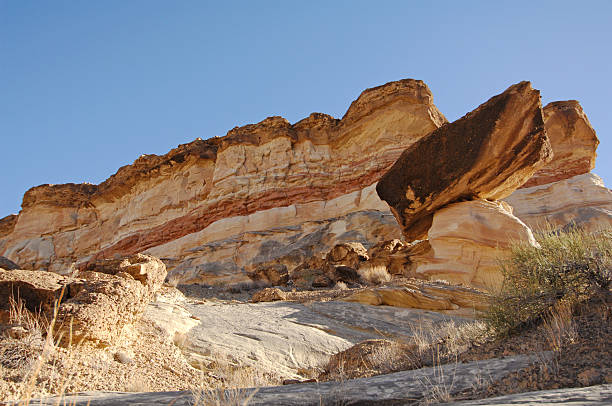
212 208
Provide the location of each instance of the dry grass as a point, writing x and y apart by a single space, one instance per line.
374 274
226 384
569 267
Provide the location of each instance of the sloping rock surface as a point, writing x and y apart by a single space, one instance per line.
233 200
592 395
397 388
486 154
284 337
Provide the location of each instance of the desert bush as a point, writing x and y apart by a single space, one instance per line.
568 267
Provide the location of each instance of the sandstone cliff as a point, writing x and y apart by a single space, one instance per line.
213 208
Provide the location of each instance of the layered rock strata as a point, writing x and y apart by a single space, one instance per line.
233 200
583 201
487 154
467 241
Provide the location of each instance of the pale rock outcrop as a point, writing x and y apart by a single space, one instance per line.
236 198
573 141
582 201
467 241
111 295
486 154
96 304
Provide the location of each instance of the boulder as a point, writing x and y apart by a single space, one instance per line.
349 254
487 154
111 295
467 241
39 290
268 295
573 141
7 264
271 274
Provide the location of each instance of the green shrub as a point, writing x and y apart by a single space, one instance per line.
569 267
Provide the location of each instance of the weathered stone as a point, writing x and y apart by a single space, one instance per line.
349 254
268 295
467 241
582 201
590 396
112 295
39 290
7 264
573 142
283 338
216 208
486 154
272 274
423 295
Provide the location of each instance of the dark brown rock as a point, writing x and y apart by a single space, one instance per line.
486 154
271 274
7 264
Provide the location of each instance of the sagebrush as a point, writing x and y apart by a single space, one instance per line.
567 268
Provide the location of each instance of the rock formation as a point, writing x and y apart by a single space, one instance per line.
39 290
564 193
214 208
423 296
486 154
97 304
573 141
582 200
112 294
467 241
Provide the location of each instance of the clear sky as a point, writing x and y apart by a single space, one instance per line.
88 86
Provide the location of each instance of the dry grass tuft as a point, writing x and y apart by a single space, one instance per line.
374 274
224 383
568 268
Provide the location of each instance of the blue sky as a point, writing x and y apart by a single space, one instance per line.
88 86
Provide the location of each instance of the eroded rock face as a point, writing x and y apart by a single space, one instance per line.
232 199
486 154
573 141
39 290
468 239
97 304
111 295
582 201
